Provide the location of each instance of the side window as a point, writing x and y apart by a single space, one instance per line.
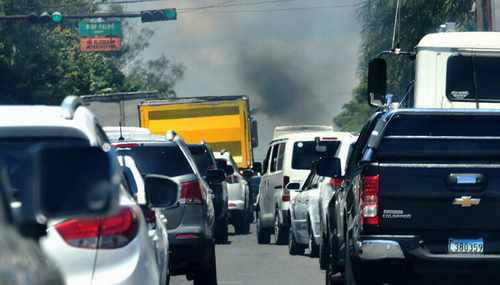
315 181
265 164
281 156
274 158
308 181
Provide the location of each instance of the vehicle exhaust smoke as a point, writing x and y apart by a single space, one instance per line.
280 86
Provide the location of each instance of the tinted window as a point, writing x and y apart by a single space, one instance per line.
265 164
203 158
15 151
304 152
461 73
274 158
164 160
441 138
281 156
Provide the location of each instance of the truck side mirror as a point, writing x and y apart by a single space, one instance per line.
257 167
293 186
221 164
255 134
161 191
75 181
377 81
329 167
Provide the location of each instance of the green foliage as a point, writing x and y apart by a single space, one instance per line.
418 18
42 63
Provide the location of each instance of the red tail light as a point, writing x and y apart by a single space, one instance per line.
336 182
191 193
369 204
285 197
106 233
125 145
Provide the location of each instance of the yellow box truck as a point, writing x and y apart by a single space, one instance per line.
223 122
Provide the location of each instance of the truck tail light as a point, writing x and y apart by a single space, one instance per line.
285 197
369 200
109 232
191 193
126 145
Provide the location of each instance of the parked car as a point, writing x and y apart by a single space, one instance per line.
205 161
191 223
86 250
418 187
239 205
288 159
156 220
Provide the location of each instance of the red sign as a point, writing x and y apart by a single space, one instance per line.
100 44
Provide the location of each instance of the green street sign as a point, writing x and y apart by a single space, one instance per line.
109 28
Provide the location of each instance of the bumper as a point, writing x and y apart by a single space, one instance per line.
236 205
423 261
187 247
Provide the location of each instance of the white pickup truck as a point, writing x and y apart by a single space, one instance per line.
452 70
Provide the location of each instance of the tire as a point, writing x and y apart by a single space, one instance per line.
263 235
324 253
242 224
221 231
313 246
355 273
208 272
168 280
293 247
280 231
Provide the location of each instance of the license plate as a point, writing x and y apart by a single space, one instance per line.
466 246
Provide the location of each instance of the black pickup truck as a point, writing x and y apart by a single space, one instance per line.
421 199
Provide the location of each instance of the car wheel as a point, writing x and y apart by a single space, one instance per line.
263 235
313 246
168 280
293 247
208 272
241 224
324 253
221 232
280 231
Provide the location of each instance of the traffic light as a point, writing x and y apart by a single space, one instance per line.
45 17
159 15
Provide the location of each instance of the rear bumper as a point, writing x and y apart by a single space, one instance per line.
236 205
187 247
409 248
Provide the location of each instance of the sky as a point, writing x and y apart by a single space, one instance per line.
295 59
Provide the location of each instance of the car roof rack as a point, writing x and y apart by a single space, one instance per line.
69 106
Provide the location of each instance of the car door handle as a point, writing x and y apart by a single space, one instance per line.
278 187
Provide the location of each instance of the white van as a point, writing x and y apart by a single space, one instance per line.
288 159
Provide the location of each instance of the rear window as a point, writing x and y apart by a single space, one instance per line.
305 153
163 160
203 158
463 71
441 138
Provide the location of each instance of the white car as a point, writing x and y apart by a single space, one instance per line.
309 206
114 249
156 220
289 160
239 203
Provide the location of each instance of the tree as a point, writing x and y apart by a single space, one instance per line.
42 63
418 18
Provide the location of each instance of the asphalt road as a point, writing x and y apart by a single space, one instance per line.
244 262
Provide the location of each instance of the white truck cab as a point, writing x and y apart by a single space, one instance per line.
452 70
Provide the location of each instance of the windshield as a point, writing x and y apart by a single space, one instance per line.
163 160
203 158
306 152
473 77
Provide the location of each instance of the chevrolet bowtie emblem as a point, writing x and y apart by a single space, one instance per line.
466 201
